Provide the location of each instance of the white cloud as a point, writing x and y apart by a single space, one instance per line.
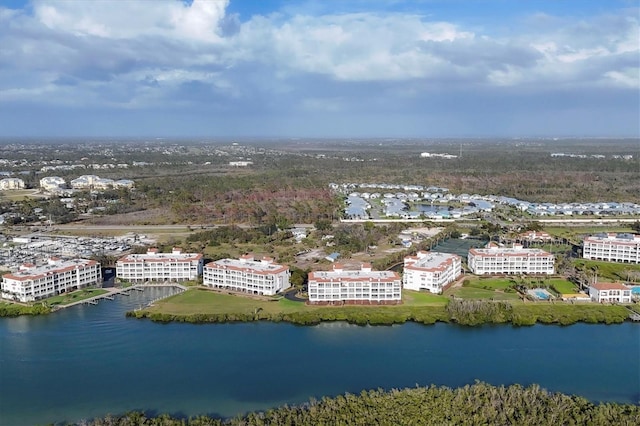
129 19
140 52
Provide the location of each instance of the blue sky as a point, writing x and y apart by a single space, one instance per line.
319 68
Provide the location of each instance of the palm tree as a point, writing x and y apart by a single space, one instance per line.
595 270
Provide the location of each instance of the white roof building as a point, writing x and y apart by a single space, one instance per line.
430 271
31 282
248 275
84 181
612 247
536 236
362 286
96 182
155 266
52 182
11 183
513 260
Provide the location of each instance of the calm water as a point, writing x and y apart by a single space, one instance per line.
89 361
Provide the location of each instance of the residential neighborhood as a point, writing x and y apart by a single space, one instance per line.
46 275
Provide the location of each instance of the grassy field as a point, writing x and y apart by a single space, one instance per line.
492 283
608 271
577 232
199 301
562 286
417 298
19 194
76 296
481 293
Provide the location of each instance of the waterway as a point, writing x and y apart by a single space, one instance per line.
89 361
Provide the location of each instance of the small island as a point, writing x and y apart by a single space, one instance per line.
479 403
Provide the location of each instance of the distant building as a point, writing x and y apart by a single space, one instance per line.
332 257
123 183
610 247
430 271
96 182
513 260
31 282
362 286
11 183
84 182
248 275
536 236
610 293
52 183
240 163
154 266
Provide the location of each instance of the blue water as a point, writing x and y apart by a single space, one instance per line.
635 289
541 295
89 361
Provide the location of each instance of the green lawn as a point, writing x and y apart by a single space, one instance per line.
481 293
577 232
562 286
200 301
493 283
418 298
607 271
76 296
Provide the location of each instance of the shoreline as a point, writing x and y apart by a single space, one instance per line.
199 306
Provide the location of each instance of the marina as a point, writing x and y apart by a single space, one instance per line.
125 291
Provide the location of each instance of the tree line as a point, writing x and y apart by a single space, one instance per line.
475 404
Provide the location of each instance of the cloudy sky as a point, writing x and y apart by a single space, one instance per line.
319 68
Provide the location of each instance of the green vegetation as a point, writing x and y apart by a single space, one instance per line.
14 309
418 298
195 309
205 306
609 271
476 312
470 405
76 296
567 314
562 286
482 293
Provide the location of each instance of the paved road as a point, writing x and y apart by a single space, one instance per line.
291 295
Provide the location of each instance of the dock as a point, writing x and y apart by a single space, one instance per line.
633 315
113 291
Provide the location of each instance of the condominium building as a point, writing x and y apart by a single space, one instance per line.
84 182
612 247
52 182
155 266
33 282
512 260
430 271
362 286
610 292
248 275
11 183
96 182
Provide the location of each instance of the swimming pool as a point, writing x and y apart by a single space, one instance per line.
540 293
